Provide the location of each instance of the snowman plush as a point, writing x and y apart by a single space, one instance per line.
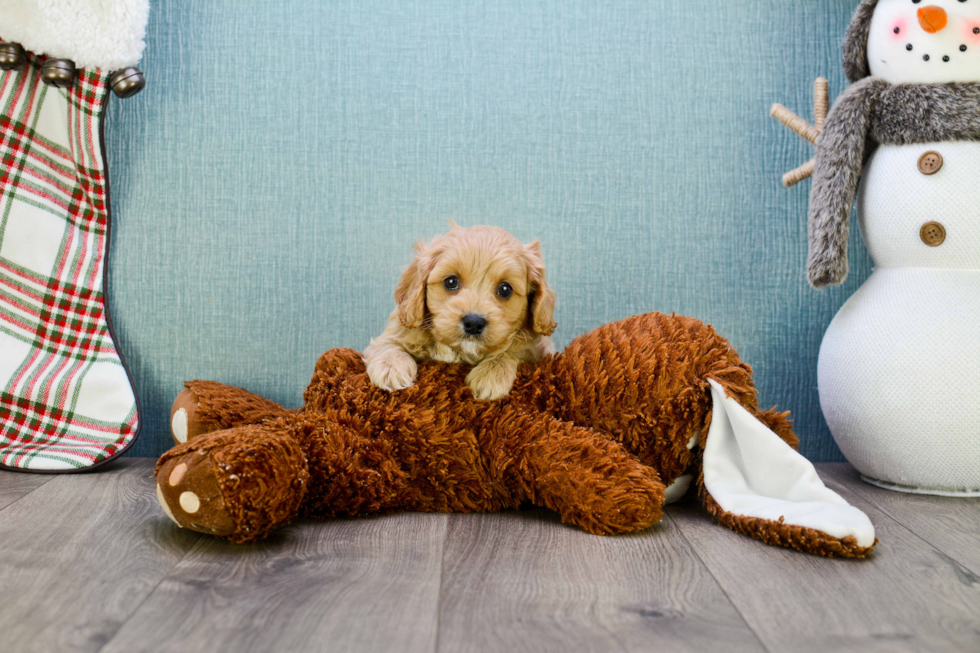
899 367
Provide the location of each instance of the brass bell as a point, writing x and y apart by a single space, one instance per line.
12 56
127 82
58 72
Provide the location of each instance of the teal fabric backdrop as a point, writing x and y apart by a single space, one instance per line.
269 182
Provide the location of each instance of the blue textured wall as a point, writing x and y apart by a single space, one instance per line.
269 182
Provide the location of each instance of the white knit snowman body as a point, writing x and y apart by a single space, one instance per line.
899 367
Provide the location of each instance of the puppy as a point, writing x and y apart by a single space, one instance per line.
475 295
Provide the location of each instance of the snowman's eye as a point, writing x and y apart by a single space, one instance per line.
897 30
976 30
946 58
962 48
925 57
909 47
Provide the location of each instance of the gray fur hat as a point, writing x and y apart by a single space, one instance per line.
856 42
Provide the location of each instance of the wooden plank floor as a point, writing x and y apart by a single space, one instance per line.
90 563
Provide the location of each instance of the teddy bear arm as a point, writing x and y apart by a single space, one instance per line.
591 481
334 370
352 472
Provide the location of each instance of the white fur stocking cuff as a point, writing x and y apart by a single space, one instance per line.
106 34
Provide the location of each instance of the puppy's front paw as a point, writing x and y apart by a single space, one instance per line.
492 379
392 371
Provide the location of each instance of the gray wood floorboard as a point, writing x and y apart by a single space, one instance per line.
14 485
340 585
908 596
952 525
525 582
89 562
79 554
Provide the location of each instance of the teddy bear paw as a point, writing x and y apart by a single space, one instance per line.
188 492
184 425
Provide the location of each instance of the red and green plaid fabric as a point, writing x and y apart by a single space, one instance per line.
66 400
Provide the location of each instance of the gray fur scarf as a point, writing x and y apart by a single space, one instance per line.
868 113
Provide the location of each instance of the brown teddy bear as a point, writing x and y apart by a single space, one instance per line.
602 433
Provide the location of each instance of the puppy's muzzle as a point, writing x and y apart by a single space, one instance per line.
473 325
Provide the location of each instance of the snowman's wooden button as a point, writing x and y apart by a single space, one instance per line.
932 234
930 163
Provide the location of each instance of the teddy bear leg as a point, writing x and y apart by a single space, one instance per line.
354 473
238 483
206 406
593 482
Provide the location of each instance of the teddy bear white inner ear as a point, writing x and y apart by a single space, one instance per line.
750 471
934 57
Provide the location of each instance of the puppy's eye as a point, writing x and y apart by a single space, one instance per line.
504 291
451 283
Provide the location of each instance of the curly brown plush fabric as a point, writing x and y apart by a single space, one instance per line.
594 433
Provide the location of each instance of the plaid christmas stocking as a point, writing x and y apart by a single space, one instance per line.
66 399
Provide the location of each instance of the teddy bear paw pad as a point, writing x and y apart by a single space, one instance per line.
189 493
178 425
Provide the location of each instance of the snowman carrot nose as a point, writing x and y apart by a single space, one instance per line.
932 18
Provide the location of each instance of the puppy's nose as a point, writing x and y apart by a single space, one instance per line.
933 19
474 325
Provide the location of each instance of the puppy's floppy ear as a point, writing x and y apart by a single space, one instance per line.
410 292
540 296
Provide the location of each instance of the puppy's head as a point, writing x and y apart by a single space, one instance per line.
477 290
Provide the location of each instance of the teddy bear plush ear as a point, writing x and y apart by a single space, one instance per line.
410 291
756 484
542 298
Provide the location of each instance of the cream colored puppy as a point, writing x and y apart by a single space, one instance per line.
475 295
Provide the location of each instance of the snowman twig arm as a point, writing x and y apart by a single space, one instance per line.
821 102
837 171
